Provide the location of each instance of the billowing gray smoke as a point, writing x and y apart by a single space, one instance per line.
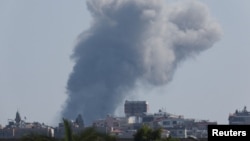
133 41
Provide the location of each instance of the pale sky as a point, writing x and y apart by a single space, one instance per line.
37 38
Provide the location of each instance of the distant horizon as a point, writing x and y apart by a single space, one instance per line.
114 116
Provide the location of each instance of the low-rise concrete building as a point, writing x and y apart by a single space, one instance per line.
18 128
239 117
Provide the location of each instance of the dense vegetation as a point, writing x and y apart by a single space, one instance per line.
145 133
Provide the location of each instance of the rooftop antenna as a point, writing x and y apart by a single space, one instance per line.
245 109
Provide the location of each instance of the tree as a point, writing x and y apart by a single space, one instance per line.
145 133
91 134
37 137
79 121
68 130
88 134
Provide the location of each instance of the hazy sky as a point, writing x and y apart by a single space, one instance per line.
37 38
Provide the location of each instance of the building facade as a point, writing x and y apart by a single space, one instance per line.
135 108
239 117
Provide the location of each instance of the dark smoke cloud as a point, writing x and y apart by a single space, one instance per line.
131 41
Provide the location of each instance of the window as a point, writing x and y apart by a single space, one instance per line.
174 122
166 123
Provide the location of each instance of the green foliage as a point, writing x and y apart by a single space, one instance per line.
68 131
145 133
88 134
36 137
156 134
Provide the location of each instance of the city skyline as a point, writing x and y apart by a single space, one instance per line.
19 119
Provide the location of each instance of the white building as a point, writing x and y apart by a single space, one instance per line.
239 117
171 122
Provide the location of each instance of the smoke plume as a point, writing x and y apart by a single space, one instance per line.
132 41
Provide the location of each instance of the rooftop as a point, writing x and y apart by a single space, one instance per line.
243 112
